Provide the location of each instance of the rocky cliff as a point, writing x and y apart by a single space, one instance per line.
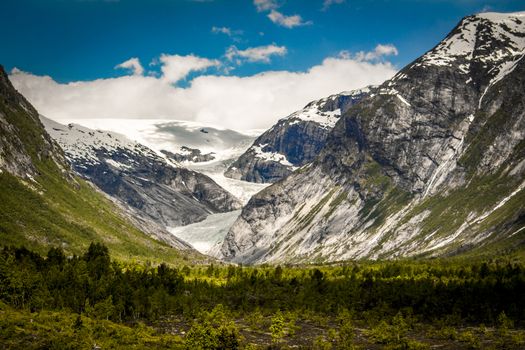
431 163
293 141
188 154
22 136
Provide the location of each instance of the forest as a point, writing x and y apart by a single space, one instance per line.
90 301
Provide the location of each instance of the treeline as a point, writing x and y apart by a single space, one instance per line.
92 284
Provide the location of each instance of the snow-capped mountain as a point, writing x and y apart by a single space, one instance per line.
205 151
154 188
293 141
204 148
431 163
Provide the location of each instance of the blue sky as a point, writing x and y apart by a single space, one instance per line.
240 64
83 40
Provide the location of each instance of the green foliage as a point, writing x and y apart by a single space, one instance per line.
470 339
277 328
20 329
346 334
394 334
213 330
391 299
504 323
256 320
320 343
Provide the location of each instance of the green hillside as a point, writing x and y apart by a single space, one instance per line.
43 204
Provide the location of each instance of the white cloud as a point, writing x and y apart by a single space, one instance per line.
265 5
175 67
133 65
384 50
379 52
256 54
287 21
278 17
235 35
250 102
328 3
223 30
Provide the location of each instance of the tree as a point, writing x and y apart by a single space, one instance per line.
56 256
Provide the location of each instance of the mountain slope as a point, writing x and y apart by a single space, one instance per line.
154 189
432 163
294 141
43 204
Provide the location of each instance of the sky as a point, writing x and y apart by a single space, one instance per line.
240 64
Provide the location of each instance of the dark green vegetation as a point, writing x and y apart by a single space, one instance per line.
56 302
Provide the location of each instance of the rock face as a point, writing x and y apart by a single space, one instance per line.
294 141
187 154
431 163
137 176
22 136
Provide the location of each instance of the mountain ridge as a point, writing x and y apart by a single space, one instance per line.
430 164
294 140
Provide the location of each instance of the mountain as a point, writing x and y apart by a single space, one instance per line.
198 147
294 141
432 163
192 144
43 203
148 184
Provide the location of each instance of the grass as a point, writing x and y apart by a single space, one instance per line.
21 329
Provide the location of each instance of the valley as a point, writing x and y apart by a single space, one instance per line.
389 215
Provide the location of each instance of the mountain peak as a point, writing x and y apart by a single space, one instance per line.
487 40
501 16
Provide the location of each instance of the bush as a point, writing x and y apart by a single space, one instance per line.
213 331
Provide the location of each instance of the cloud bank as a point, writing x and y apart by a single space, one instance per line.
175 67
379 52
235 102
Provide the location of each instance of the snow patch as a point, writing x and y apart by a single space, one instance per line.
394 92
271 156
